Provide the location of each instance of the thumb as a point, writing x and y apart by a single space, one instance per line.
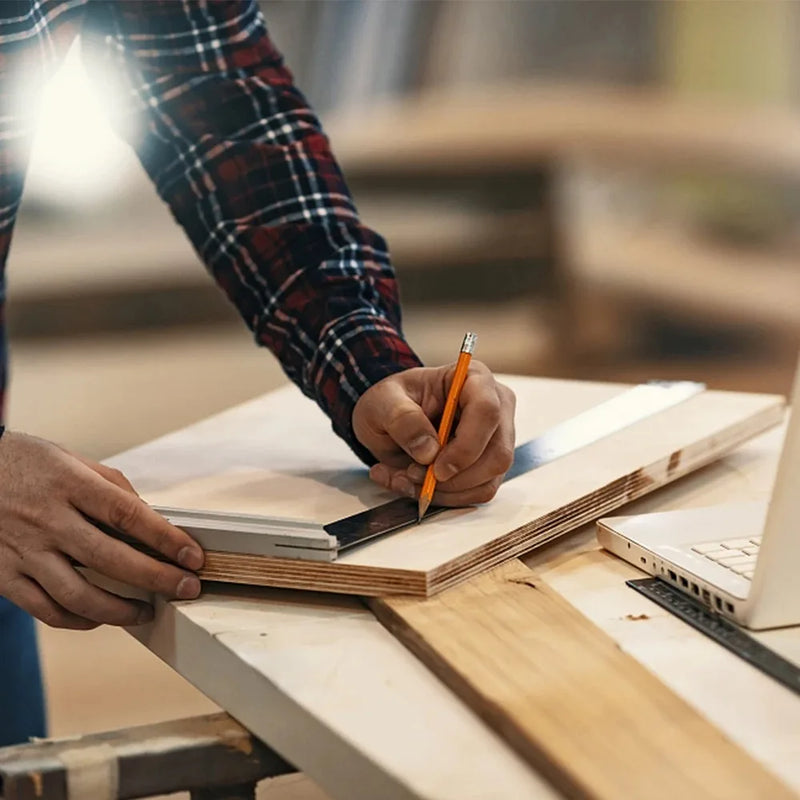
396 415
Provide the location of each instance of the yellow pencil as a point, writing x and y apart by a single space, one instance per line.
450 407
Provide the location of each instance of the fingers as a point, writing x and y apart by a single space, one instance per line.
109 473
387 420
30 597
495 460
93 548
481 413
396 479
480 480
129 514
73 592
475 495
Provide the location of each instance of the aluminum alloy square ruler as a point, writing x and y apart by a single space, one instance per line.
309 540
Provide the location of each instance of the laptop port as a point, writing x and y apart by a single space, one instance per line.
695 588
706 597
684 582
672 575
729 607
718 602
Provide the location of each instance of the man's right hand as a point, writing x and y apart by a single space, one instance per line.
46 496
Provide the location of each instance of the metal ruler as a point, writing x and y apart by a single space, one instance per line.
729 635
598 422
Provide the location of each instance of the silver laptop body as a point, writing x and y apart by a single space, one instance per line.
742 560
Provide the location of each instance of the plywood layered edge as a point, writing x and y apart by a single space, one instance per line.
368 581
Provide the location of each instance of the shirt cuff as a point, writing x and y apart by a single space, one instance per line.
355 353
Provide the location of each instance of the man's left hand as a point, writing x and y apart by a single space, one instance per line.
395 420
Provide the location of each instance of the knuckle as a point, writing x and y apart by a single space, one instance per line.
89 552
456 459
476 365
37 517
117 475
487 492
401 418
503 458
163 540
157 577
125 512
126 615
488 408
52 616
71 598
484 494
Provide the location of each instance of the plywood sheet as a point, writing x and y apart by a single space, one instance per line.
276 456
564 695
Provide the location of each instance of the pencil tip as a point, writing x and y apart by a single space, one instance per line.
422 508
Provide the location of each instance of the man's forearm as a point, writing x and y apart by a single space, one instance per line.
235 151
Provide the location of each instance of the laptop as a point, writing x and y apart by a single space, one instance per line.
742 560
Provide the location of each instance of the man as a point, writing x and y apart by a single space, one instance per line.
233 148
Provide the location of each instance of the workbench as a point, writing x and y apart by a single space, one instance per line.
318 679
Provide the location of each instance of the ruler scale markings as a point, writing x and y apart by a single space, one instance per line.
730 636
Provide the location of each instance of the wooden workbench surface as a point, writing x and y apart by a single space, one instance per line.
319 679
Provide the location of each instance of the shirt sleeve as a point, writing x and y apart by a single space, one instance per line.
235 151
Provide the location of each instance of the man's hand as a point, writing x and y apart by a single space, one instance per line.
396 421
47 497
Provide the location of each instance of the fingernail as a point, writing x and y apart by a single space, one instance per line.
444 471
188 588
404 486
145 615
416 473
380 474
190 557
424 448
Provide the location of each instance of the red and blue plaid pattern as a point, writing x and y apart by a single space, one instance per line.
234 150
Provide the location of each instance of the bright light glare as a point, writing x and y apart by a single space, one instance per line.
77 159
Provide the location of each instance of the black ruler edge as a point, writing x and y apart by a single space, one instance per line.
722 631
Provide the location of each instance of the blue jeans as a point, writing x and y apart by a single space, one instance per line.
21 695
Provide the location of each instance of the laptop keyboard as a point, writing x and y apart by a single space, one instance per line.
737 555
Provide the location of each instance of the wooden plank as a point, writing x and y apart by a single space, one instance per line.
754 711
325 685
561 692
275 456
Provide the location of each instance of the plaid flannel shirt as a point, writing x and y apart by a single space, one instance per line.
234 150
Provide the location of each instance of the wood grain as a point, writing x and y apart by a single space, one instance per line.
275 456
563 694
324 684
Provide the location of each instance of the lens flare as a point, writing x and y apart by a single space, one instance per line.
77 159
